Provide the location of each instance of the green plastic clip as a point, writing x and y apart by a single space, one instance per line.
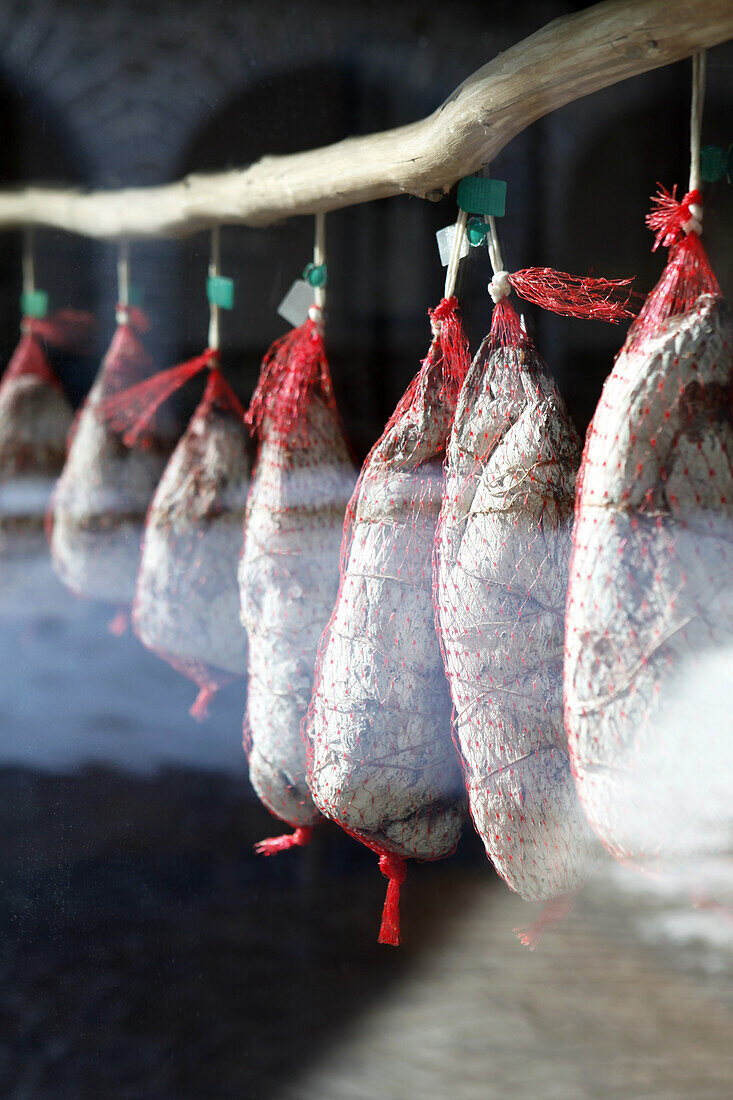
220 291
135 296
316 276
34 303
477 195
476 230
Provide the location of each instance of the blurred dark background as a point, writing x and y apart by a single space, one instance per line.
145 951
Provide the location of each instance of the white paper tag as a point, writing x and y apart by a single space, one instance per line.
296 303
444 237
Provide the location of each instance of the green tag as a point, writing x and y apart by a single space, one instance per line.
476 230
477 195
220 291
316 276
34 303
135 296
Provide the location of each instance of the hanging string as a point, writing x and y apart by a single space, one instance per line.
29 262
319 259
214 269
698 97
451 274
123 282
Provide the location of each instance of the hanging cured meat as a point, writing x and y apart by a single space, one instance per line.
650 605
502 554
35 420
186 606
106 486
382 763
288 573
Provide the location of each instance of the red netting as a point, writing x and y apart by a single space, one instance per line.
98 508
186 605
574 295
381 762
35 419
650 604
501 565
288 574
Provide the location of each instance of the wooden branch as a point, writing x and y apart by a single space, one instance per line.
569 58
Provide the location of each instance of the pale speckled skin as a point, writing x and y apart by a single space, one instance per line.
99 507
35 419
382 761
651 588
288 580
502 554
186 605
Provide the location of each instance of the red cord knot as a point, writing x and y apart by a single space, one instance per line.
394 870
299 838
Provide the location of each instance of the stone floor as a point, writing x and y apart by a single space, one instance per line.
146 952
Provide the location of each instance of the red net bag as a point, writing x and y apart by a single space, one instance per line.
501 566
289 570
381 760
650 602
104 491
35 420
186 606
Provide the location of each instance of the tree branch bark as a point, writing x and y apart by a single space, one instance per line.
564 61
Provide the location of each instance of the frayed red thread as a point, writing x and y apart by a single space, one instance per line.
130 413
574 295
294 371
218 392
199 709
274 844
506 327
118 625
669 215
126 361
394 870
687 275
554 912
451 345
30 358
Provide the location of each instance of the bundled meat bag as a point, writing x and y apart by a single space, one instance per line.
289 570
501 558
649 652
103 493
186 606
35 420
381 759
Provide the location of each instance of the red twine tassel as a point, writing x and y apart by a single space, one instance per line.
506 327
394 870
452 345
131 412
554 912
299 838
688 273
293 371
574 295
67 329
199 709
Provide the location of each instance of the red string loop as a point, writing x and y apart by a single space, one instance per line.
131 412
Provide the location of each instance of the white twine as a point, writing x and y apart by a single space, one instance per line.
29 263
451 274
214 268
694 225
123 282
499 287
